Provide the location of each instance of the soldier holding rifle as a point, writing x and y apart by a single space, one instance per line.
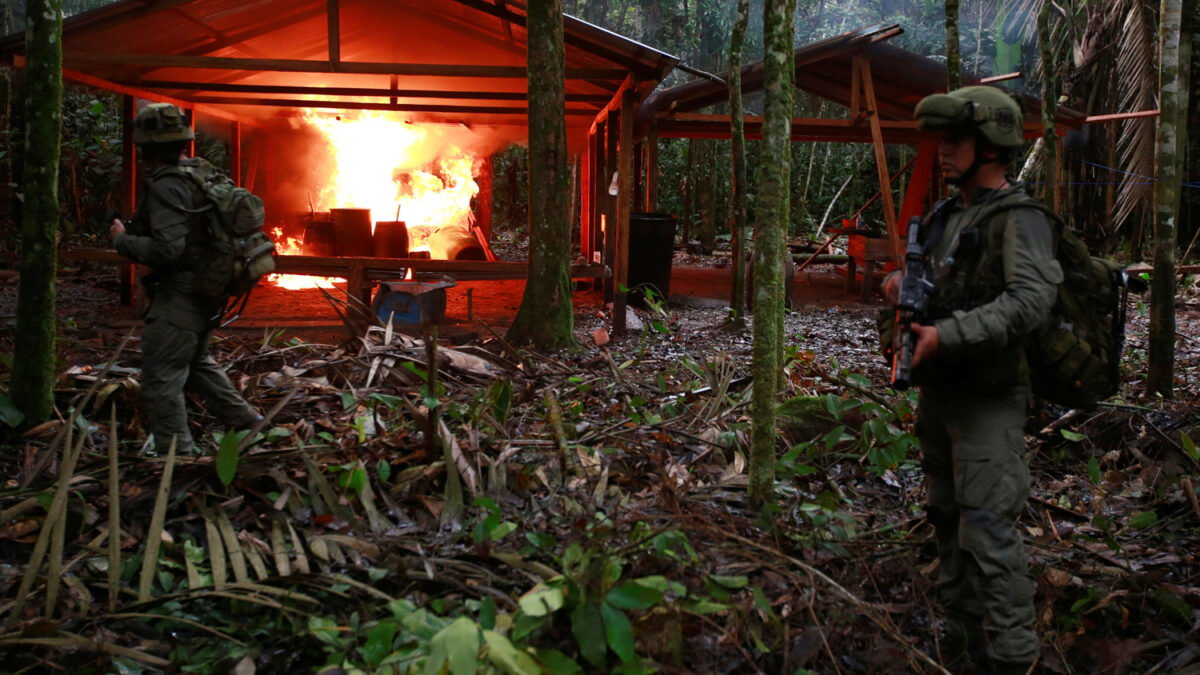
986 278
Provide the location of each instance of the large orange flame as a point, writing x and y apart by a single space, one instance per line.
398 170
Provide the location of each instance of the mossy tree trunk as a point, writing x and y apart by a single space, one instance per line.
1049 108
953 54
737 303
1162 286
770 225
545 318
32 386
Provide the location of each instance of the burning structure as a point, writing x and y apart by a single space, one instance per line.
351 116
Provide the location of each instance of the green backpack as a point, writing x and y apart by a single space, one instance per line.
232 253
1075 355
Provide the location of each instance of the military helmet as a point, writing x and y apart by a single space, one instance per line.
161 123
987 110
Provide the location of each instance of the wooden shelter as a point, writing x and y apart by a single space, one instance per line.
451 62
878 83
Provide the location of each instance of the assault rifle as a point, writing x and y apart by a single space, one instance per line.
913 305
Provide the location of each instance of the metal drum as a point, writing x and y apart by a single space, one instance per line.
391 239
320 239
353 232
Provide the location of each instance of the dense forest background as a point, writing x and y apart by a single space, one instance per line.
1104 55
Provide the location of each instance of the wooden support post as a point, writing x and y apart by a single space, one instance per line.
191 118
611 129
639 183
128 188
885 181
587 176
235 152
483 201
652 171
918 185
332 19
624 206
357 283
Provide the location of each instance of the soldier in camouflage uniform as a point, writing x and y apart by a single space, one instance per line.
995 279
175 339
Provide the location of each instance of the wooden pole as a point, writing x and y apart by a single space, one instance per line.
128 187
652 171
610 203
332 18
235 152
885 182
587 178
624 205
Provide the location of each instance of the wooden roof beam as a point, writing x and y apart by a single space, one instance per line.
155 61
355 91
500 11
366 105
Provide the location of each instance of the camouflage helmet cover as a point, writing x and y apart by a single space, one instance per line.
161 123
988 110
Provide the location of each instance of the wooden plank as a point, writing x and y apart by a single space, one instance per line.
373 268
156 61
391 92
332 19
624 206
369 105
889 208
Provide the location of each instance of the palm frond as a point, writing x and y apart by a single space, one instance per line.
1136 79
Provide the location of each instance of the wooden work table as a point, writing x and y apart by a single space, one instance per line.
360 273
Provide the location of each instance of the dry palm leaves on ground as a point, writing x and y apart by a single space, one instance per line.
412 507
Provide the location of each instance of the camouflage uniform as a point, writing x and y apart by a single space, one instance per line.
175 339
992 287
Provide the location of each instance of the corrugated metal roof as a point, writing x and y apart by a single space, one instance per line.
442 61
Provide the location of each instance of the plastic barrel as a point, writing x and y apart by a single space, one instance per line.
651 249
352 229
391 239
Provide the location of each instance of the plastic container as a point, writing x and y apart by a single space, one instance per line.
651 250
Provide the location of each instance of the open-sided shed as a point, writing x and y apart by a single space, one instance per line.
879 84
450 62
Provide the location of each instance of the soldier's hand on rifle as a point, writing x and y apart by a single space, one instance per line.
116 228
891 287
927 343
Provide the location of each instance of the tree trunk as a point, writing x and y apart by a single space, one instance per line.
953 56
1162 285
32 387
771 223
545 317
737 302
1049 108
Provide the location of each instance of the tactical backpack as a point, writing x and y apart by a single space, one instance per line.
1075 354
232 253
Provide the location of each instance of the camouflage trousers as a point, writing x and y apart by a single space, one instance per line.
973 446
175 360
